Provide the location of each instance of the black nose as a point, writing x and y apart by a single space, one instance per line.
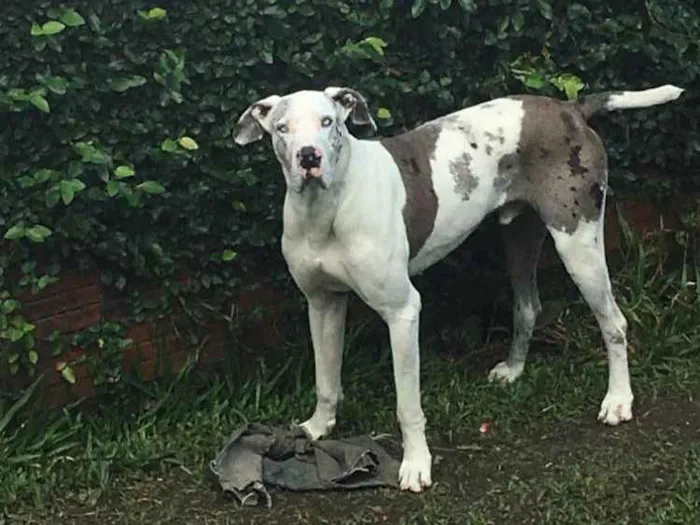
309 158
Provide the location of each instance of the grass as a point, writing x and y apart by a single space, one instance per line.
141 456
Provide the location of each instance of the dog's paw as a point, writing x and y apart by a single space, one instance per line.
316 427
504 373
414 473
616 408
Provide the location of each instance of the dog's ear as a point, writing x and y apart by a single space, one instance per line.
351 104
255 121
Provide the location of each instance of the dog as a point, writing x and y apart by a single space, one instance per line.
367 215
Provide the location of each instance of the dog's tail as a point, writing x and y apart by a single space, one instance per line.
603 102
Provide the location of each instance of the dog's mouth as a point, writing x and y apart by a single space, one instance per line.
312 176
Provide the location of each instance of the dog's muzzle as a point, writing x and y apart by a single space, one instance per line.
309 157
310 161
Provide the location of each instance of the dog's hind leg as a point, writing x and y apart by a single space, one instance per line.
583 254
523 240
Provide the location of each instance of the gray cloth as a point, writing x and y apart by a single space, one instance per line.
257 455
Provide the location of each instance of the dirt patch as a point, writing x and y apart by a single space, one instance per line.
489 479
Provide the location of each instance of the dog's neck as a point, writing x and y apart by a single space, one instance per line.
312 212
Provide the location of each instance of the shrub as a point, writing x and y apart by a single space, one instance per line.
116 144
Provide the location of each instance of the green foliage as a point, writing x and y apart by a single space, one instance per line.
116 145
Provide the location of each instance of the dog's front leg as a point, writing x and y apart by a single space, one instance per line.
327 312
403 325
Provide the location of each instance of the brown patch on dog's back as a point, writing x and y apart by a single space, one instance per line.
575 161
561 160
412 151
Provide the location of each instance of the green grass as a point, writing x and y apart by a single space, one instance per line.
141 456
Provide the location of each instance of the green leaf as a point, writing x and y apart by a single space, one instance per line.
503 23
417 7
122 172
444 4
156 13
36 30
121 84
535 80
33 236
68 374
67 192
376 43
42 175
75 169
40 102
52 27
468 5
26 181
383 114
58 85
15 232
151 186
53 195
43 281
188 143
78 185
72 18
518 21
112 188
33 356
228 255
37 233
545 8
169 145
569 84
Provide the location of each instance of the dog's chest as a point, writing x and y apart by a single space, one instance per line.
316 264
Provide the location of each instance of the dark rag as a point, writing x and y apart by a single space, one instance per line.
258 455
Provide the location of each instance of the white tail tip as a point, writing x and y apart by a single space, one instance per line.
645 98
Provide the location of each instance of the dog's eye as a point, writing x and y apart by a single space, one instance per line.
326 121
282 128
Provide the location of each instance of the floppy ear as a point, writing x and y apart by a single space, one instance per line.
255 121
352 104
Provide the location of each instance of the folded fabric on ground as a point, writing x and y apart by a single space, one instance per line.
258 456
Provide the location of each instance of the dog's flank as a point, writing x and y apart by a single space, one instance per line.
378 211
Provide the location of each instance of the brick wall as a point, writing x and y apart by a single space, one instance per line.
78 301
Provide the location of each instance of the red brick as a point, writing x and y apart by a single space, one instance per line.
136 355
69 322
113 308
57 304
139 332
262 295
147 370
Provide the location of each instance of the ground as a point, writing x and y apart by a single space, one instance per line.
544 460
567 472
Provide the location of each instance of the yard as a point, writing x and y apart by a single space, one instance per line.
132 225
142 457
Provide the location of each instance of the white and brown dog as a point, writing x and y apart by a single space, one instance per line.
366 215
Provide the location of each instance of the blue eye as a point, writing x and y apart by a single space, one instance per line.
326 121
282 128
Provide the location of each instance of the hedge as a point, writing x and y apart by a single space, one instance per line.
117 116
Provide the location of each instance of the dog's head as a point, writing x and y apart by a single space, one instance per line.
308 131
